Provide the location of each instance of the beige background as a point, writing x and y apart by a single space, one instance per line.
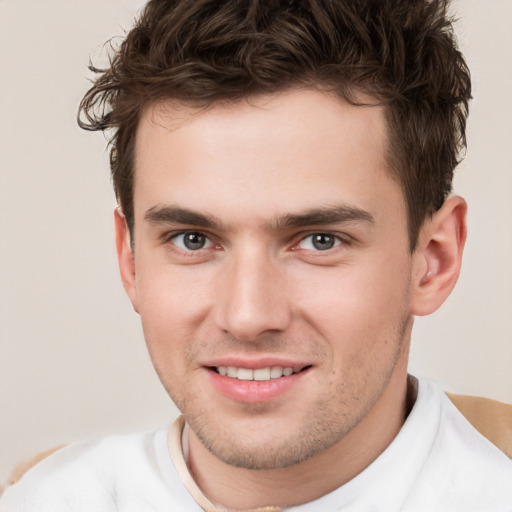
72 357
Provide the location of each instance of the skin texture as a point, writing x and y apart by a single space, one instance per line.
248 177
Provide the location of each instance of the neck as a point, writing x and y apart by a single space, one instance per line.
240 488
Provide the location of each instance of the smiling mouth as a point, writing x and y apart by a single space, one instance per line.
258 374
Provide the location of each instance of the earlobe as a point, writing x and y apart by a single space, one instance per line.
125 256
438 257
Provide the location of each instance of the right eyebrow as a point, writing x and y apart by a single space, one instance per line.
176 215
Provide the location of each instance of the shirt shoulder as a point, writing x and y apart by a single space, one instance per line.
464 470
491 418
105 475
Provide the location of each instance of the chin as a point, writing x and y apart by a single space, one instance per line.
265 445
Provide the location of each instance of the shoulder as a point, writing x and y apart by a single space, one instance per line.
491 418
467 467
85 476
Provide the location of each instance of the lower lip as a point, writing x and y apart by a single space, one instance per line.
254 391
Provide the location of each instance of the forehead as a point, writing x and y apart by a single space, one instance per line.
267 155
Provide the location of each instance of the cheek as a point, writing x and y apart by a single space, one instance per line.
170 290
172 304
356 304
166 313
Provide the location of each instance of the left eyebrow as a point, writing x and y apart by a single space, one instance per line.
320 216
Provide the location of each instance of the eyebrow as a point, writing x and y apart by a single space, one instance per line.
177 215
327 215
317 216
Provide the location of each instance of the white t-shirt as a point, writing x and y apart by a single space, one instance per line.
438 462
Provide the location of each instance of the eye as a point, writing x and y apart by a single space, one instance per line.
319 242
191 241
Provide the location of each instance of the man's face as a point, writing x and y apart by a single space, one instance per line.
269 239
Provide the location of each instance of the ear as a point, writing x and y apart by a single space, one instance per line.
438 256
125 256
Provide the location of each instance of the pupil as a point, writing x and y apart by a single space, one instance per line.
323 242
194 241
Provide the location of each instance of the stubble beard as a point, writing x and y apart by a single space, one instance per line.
321 427
315 435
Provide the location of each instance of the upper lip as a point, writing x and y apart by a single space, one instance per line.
254 364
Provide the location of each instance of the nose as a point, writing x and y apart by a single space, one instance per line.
252 301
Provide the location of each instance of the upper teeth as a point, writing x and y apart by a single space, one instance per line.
268 373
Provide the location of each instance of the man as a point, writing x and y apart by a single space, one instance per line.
283 170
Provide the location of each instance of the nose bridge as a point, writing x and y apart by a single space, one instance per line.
253 300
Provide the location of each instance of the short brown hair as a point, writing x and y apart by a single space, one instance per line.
402 53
